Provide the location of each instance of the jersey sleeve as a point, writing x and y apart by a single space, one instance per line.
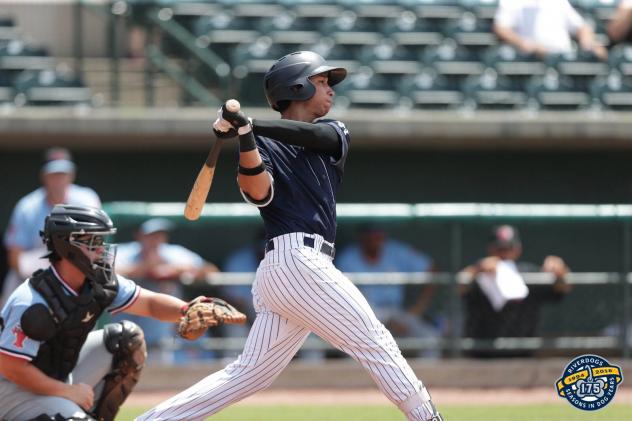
128 293
13 340
345 140
16 234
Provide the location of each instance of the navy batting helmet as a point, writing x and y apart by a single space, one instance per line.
288 78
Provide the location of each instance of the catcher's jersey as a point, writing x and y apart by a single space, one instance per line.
305 186
14 342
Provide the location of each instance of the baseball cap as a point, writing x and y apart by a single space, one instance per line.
504 236
58 160
155 225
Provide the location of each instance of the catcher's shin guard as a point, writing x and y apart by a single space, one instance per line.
125 340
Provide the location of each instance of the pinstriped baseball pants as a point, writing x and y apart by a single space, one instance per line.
297 290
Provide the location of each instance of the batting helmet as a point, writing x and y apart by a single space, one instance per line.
288 78
77 233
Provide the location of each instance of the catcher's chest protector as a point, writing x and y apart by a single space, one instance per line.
74 316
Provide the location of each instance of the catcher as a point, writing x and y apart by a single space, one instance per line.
53 366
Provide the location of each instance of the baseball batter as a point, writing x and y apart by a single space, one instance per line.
292 170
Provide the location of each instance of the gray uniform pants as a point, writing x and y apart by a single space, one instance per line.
17 404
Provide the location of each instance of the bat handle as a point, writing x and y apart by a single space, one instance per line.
231 112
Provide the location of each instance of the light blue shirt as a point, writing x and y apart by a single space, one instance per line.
244 259
12 339
396 257
29 214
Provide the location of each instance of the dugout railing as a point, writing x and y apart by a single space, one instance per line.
606 293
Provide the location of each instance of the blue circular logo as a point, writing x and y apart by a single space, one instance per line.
589 382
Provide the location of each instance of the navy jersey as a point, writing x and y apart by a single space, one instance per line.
305 186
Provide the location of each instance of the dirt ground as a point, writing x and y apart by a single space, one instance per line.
374 397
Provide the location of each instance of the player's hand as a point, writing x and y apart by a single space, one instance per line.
236 120
555 265
488 264
222 128
81 394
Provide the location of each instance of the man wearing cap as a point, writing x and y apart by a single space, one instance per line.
498 302
161 267
22 237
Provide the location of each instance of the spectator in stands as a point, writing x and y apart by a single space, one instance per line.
620 26
544 27
22 238
498 303
375 252
159 266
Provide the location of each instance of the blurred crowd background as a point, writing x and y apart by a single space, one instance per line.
522 103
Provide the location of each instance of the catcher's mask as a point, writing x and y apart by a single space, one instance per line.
79 234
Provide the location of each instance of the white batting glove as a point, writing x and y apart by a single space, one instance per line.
220 124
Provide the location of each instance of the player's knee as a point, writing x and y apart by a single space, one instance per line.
126 341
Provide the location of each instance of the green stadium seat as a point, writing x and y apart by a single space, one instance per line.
614 91
364 89
511 63
554 91
452 61
428 90
435 10
412 32
351 30
223 32
51 87
389 59
470 32
489 91
581 66
288 29
8 30
7 92
601 10
483 9
18 55
620 59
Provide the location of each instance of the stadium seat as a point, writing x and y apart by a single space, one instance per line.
438 11
365 89
601 10
428 90
412 32
288 29
613 91
554 91
390 59
452 61
581 66
51 87
484 10
223 32
250 62
511 63
351 30
16 56
489 91
8 30
470 32
7 93
620 59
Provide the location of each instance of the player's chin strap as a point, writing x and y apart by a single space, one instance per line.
420 405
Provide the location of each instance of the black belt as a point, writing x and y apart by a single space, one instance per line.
309 242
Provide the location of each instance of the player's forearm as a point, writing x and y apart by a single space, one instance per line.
32 379
510 37
316 137
13 257
157 306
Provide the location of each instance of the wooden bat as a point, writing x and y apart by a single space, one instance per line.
203 182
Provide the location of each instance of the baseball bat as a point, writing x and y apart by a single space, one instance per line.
203 182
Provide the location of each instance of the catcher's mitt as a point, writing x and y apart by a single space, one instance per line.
204 312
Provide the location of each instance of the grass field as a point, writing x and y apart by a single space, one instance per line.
564 412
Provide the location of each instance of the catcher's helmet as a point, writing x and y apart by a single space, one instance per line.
288 78
77 233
